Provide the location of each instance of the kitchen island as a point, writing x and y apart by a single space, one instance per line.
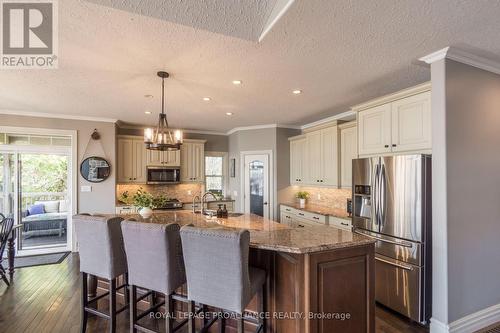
319 279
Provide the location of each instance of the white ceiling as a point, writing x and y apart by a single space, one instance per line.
338 52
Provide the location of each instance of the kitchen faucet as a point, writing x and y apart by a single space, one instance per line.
194 203
203 211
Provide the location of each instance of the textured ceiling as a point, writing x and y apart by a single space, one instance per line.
338 52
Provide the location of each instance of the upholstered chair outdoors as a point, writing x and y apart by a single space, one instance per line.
102 254
218 273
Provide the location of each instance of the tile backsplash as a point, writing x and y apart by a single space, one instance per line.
178 191
329 197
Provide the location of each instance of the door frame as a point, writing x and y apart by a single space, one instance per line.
272 185
73 170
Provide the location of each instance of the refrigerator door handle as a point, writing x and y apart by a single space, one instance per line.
402 266
382 194
375 194
402 243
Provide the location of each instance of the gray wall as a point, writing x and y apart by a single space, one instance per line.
102 197
214 142
466 187
274 139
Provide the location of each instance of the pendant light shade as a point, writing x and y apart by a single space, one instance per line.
162 137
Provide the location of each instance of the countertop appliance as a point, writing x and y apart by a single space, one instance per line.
171 204
392 204
163 175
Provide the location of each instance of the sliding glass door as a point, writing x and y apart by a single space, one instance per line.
35 190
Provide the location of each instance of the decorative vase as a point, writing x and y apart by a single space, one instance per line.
146 212
302 203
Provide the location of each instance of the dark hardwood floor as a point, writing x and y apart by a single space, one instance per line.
47 299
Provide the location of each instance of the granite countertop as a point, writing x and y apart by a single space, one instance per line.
317 209
266 234
208 201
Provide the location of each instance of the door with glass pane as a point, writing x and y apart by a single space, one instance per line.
7 185
256 185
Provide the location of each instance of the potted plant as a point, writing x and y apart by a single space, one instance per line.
145 202
302 196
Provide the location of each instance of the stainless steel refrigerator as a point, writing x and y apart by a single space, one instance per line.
392 204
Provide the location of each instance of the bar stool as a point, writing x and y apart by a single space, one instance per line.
101 254
154 259
218 273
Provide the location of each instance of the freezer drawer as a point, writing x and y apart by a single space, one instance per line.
399 286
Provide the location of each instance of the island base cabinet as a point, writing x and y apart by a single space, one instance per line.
320 292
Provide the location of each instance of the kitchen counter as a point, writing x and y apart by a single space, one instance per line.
268 235
317 209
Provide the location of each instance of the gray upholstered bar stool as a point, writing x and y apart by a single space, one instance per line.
218 273
154 258
102 254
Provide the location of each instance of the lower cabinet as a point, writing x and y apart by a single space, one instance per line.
301 219
126 209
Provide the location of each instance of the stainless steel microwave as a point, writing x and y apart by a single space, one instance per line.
163 175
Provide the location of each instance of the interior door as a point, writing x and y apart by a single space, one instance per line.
256 185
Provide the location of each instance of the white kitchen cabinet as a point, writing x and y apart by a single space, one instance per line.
286 218
314 151
374 127
396 123
298 161
337 222
411 123
131 164
329 159
193 161
164 158
125 210
348 152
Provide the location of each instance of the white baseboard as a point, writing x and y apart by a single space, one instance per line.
470 323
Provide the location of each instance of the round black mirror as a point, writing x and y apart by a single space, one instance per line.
95 169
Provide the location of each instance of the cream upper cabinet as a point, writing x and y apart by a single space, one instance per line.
411 123
329 157
298 159
131 164
314 151
375 130
396 123
193 161
164 158
348 152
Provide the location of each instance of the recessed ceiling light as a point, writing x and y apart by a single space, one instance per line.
297 92
147 112
229 113
237 82
206 99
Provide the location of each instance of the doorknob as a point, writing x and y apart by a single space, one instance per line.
265 203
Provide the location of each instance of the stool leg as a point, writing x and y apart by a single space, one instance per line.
191 320
112 306
133 308
169 327
262 307
125 289
241 324
85 302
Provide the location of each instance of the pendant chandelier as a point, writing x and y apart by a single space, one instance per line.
162 138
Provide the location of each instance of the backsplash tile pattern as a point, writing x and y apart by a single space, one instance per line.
329 197
178 191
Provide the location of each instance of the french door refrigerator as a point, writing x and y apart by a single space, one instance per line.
392 204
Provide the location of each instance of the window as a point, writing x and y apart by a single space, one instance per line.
215 172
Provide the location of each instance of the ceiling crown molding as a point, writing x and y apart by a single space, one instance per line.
249 128
56 116
464 57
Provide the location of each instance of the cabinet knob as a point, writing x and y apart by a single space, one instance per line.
394 145
386 146
321 180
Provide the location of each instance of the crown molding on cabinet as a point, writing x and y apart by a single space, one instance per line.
464 57
249 128
393 97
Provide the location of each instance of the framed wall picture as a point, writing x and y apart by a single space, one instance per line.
232 167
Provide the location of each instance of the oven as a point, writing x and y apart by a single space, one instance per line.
163 175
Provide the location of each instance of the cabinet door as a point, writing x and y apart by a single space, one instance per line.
125 158
198 162
155 158
329 158
139 161
348 152
172 158
285 218
298 159
411 123
313 158
375 130
186 170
